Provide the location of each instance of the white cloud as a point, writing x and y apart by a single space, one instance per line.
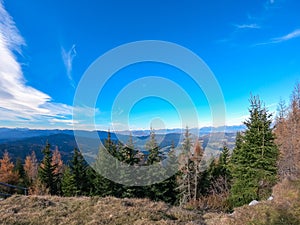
13 39
19 102
68 57
292 35
248 26
287 37
66 121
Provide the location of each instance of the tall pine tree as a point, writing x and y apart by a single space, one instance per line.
78 169
153 149
68 184
254 159
46 171
107 167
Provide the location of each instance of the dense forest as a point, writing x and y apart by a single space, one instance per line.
267 152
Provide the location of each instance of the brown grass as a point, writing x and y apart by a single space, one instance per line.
284 209
49 210
210 203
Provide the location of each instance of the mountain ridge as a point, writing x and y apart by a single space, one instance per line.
19 133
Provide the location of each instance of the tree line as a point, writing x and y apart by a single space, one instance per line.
264 153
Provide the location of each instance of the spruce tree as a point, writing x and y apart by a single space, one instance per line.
68 184
19 169
153 149
129 153
168 187
151 146
187 142
107 167
223 165
78 169
129 156
164 190
219 173
46 171
253 167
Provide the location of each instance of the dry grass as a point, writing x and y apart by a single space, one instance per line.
284 209
49 210
46 210
210 203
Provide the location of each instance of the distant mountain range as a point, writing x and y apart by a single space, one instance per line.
20 142
202 131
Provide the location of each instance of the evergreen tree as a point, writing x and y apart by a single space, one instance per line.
102 186
91 177
78 169
46 171
128 153
208 175
107 167
103 168
219 183
253 166
167 190
68 184
157 191
19 169
187 142
153 149
223 166
110 146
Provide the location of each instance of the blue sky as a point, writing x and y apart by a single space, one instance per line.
46 46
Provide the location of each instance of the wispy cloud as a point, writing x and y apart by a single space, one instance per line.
292 35
9 33
247 26
239 28
68 56
20 103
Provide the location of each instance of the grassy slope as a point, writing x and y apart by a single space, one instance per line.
48 210
283 209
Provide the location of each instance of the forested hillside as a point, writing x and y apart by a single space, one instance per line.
264 156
